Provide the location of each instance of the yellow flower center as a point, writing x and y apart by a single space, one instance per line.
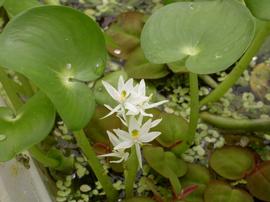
123 95
135 134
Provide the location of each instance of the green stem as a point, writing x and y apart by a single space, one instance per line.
131 167
208 80
250 125
263 30
93 161
41 157
194 105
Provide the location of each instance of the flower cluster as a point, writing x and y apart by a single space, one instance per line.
131 110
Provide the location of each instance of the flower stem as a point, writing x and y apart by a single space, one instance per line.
194 105
41 157
130 172
263 30
250 125
94 163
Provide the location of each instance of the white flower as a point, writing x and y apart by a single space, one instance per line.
139 102
137 135
120 153
120 95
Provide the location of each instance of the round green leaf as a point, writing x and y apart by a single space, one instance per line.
29 126
232 163
57 48
218 191
209 35
259 182
259 9
138 67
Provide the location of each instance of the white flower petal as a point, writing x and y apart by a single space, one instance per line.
139 154
121 83
113 110
123 135
124 145
153 105
111 90
146 127
155 123
133 124
149 137
141 88
114 140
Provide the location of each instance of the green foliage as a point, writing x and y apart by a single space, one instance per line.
201 33
173 131
218 191
196 175
259 9
139 199
259 182
66 164
97 128
166 164
32 123
232 163
123 36
58 55
14 7
137 66
1 2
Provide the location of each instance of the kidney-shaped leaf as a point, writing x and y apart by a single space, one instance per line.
57 48
218 191
209 35
28 127
260 9
232 163
259 182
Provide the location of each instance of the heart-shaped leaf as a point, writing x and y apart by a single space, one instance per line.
218 191
14 7
232 162
29 126
57 48
259 182
166 164
173 131
199 176
138 67
202 33
259 9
